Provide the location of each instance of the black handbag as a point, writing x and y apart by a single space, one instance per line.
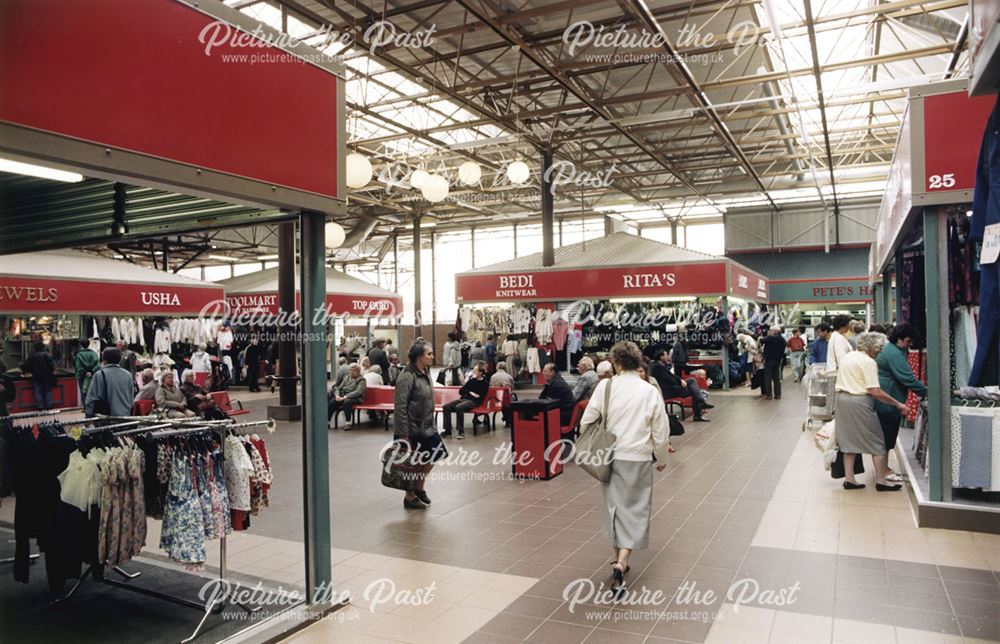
757 380
676 427
837 467
400 469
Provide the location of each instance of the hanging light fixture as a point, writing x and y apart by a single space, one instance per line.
418 178
435 189
470 173
359 170
334 234
518 172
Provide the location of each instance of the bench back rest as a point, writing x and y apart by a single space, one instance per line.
380 395
578 413
143 407
444 395
222 400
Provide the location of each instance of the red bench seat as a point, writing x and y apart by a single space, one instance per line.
223 402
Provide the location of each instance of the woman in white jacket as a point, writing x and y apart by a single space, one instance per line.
635 415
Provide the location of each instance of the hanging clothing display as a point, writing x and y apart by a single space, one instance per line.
986 212
975 447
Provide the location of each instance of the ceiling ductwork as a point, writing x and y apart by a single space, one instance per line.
933 23
360 232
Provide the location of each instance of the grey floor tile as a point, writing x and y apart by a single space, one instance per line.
925 620
607 636
866 563
916 584
511 625
862 611
912 569
552 632
985 606
979 628
968 575
905 598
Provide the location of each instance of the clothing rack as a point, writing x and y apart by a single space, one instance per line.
217 604
38 414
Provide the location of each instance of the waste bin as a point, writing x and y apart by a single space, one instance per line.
536 429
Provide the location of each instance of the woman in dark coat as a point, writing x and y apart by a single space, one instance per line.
414 419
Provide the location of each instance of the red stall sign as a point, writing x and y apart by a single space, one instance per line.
953 131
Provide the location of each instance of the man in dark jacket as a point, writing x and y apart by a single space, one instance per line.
378 356
674 387
43 375
110 389
471 395
560 390
774 354
253 356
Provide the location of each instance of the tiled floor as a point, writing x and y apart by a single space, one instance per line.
751 541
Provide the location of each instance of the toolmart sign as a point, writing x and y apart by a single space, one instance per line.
844 289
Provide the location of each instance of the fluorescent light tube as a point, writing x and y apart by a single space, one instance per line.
16 167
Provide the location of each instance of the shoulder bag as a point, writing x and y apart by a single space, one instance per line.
399 463
595 446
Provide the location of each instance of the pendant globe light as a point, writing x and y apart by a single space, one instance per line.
470 173
334 234
518 172
418 178
359 170
435 189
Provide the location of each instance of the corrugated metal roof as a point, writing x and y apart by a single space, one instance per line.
848 262
619 249
74 265
266 281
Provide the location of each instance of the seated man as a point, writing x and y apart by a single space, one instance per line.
198 399
149 386
671 385
503 379
343 397
558 388
588 379
471 395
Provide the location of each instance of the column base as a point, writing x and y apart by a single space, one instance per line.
285 412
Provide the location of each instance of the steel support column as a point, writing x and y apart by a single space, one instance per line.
395 289
166 256
515 241
938 348
287 407
315 447
472 250
725 346
898 266
548 218
673 232
434 305
418 302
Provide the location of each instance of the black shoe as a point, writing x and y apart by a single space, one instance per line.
461 435
853 486
422 495
777 397
707 406
700 419
414 504
887 488
446 433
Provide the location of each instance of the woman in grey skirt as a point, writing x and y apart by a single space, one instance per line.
636 416
858 427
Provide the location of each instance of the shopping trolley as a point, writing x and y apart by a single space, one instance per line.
820 396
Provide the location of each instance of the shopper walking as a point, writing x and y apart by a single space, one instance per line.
452 353
252 362
491 355
413 419
585 384
747 348
87 362
773 348
170 397
818 347
43 375
679 354
858 428
797 354
471 395
379 358
896 378
839 346
636 416
111 388
350 392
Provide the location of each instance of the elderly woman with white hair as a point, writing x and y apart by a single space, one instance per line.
858 427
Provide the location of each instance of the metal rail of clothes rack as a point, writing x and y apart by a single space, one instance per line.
160 428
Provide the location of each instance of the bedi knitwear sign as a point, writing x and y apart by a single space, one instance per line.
618 281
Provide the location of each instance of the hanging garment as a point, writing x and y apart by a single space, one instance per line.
532 361
238 470
985 212
964 345
560 331
183 533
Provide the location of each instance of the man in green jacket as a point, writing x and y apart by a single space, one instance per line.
896 379
87 363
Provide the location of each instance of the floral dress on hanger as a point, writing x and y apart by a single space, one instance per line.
183 532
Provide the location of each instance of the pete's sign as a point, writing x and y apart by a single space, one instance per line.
848 289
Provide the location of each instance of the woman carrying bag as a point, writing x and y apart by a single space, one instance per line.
632 410
414 421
